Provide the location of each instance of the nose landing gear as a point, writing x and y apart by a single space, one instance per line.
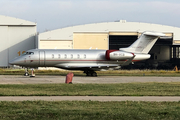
26 72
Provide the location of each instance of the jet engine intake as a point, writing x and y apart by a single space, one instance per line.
118 55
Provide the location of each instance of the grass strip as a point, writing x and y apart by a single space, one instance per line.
100 73
120 89
89 110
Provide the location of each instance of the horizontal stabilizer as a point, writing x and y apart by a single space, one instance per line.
128 61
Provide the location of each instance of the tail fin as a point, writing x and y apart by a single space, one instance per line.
144 43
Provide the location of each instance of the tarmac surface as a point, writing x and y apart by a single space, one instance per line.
18 79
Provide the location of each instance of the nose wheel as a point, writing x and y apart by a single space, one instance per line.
26 72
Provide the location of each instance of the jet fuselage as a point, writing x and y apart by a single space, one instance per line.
76 59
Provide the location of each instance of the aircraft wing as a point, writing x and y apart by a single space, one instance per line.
72 66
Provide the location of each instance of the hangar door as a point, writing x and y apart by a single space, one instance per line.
90 40
121 39
55 44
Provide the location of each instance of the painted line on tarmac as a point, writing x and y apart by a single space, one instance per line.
92 98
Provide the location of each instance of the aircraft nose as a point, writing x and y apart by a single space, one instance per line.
14 62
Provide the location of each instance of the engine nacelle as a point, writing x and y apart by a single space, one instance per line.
118 55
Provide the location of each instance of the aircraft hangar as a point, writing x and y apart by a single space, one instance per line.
16 36
114 35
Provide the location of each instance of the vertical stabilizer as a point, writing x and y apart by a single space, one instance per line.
144 43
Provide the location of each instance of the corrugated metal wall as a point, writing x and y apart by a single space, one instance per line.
14 41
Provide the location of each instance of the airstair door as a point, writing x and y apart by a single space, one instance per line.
41 58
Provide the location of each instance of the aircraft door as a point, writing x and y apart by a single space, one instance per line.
24 60
27 59
41 58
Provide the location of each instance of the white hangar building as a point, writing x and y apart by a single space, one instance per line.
114 35
16 36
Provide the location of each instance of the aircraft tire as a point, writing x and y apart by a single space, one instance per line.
88 74
26 74
94 74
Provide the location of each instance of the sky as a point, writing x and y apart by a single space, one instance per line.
56 14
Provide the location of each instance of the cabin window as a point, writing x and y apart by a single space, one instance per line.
84 55
78 56
65 56
71 56
115 54
52 55
59 56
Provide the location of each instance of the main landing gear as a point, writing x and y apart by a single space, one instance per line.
91 73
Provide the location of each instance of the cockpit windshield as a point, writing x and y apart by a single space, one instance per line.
28 53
